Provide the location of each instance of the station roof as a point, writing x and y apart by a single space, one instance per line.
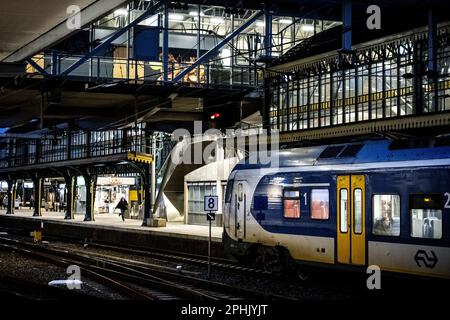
28 26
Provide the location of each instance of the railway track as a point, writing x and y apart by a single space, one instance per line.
137 280
167 255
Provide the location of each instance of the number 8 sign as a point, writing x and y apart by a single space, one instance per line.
211 203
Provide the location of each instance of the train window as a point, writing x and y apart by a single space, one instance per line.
320 204
357 211
426 215
240 192
386 214
229 190
343 209
291 204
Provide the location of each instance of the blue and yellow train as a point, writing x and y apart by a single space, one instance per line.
344 205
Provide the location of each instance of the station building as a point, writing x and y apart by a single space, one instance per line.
90 118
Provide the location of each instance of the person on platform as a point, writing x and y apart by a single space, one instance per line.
122 205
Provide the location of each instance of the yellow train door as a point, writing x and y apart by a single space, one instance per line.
351 243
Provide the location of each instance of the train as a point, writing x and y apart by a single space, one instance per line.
383 203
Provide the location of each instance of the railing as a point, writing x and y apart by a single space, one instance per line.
72 145
115 69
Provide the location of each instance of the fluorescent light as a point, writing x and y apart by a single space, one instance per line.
121 12
260 23
176 16
307 28
195 13
216 20
152 21
285 21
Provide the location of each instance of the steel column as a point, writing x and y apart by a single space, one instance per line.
90 183
148 214
268 34
432 57
37 185
11 196
165 47
347 25
70 187
199 14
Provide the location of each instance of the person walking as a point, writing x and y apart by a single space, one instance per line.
122 205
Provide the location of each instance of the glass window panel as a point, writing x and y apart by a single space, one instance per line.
426 223
240 192
320 204
357 197
343 209
291 193
386 215
291 208
426 215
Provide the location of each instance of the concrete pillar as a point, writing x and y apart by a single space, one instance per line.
70 187
11 196
37 185
90 182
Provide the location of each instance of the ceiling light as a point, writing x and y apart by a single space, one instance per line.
121 12
216 20
307 28
195 14
285 21
176 17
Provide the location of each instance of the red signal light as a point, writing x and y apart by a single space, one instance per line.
215 116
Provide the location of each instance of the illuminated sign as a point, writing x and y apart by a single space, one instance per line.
115 181
28 185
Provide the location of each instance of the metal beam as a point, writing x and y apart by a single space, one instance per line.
347 25
165 47
150 10
88 15
432 45
38 68
268 34
204 57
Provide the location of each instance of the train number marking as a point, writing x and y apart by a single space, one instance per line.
447 203
428 261
305 196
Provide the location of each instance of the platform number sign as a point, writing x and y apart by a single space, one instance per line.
211 205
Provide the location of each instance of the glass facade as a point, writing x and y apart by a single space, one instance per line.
196 194
378 81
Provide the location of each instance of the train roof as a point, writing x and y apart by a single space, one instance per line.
349 153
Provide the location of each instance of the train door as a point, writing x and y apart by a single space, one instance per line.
351 244
240 200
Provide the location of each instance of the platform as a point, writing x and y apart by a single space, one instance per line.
109 228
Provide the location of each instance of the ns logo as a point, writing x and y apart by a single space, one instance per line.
424 260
